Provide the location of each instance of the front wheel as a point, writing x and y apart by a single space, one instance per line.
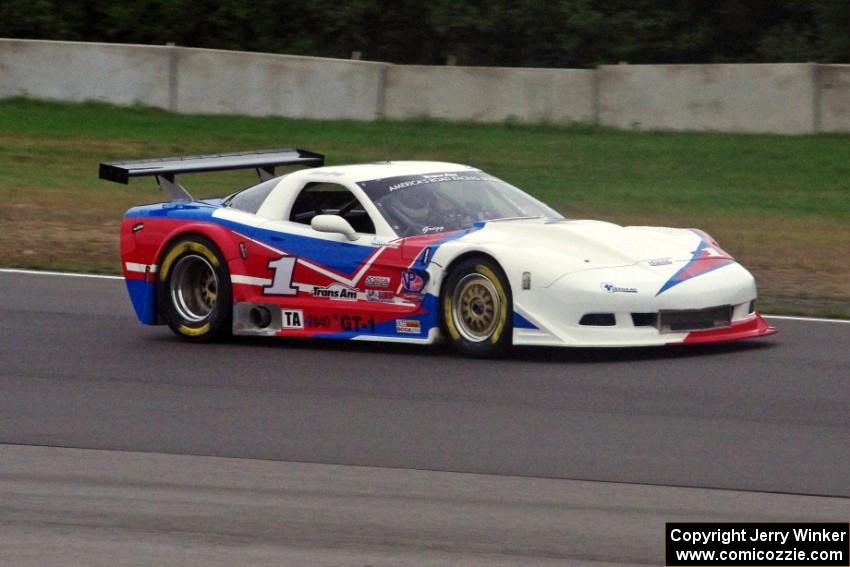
477 308
193 290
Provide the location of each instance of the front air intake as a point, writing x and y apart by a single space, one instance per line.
695 319
598 320
645 319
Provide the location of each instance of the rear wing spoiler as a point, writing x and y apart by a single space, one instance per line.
164 169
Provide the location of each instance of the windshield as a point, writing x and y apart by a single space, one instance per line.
438 202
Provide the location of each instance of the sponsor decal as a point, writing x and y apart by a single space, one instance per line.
408 327
381 296
378 281
292 319
430 229
660 261
611 288
412 281
437 178
336 291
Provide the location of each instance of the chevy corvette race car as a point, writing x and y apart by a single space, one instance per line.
412 252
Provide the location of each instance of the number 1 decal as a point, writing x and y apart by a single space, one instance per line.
282 281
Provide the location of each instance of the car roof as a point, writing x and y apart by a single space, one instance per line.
381 170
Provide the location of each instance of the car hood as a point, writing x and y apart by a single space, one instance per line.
602 243
566 246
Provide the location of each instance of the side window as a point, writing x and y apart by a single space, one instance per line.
330 199
249 200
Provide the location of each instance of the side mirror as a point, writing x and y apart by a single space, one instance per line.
333 223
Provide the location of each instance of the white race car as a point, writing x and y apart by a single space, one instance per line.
414 251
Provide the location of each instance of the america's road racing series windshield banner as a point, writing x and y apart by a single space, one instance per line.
760 544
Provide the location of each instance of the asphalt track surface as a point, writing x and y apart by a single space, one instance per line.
69 507
76 370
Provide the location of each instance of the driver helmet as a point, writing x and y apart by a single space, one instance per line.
416 203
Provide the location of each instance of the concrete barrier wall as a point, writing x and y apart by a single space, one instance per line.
778 98
489 94
834 91
257 84
774 98
118 74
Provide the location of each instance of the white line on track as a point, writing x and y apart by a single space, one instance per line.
812 319
66 274
106 277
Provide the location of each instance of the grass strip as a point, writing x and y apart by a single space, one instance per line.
781 204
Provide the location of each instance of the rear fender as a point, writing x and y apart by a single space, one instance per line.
147 247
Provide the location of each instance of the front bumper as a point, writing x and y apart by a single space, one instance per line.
620 307
749 328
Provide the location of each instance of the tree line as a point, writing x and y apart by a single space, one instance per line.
521 33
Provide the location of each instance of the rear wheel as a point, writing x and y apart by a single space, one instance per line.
477 308
193 290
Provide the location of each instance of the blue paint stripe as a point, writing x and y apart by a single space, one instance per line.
674 279
521 322
341 257
143 297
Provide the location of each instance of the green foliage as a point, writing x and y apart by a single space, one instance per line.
542 33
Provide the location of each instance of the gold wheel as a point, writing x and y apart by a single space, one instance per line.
476 307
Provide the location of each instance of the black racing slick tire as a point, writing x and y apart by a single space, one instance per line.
477 308
193 290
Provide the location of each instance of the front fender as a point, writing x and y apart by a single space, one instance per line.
543 266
